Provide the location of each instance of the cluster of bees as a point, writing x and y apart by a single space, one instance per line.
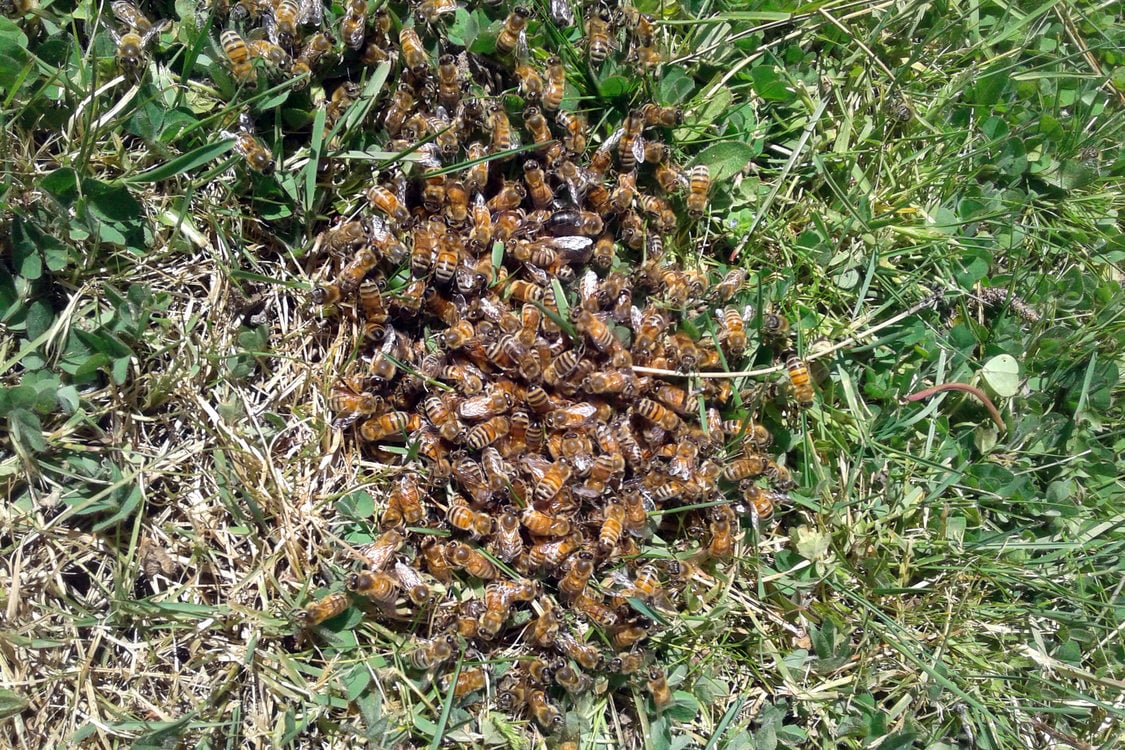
498 331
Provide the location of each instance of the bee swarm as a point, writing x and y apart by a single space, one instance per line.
538 463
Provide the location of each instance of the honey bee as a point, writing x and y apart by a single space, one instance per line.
552 481
658 686
471 561
433 653
469 681
476 173
597 35
411 582
573 681
386 201
556 85
348 404
373 584
238 54
613 520
537 187
322 609
461 516
733 332
545 713
391 424
402 101
487 433
729 286
699 184
352 274
407 497
657 414
540 524
508 197
684 462
342 98
631 147
626 636
762 501
514 31
353 24
531 82
507 543
285 15
257 156
378 553
131 16
446 263
501 129
467 380
450 86
346 236
775 328
799 380
315 47
721 545
636 515
600 335
578 575
414 55
131 45
660 211
628 662
667 117
545 628
433 554
431 11
749 467
594 610
586 654
645 57
552 554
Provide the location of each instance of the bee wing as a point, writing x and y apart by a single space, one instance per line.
611 142
312 12
588 284
154 32
561 13
521 51
636 317
639 149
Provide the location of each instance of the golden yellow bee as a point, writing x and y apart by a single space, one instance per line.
373 584
132 44
613 520
658 686
322 609
556 84
238 54
285 20
257 156
573 681
657 115
472 561
469 681
586 654
699 185
387 202
799 380
514 32
597 35
433 653
414 55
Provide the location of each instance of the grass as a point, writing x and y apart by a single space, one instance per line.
176 490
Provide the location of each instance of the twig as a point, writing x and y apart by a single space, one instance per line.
966 388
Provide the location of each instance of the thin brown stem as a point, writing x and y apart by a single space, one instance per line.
965 388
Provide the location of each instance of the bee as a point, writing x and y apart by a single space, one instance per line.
342 98
378 553
636 515
411 582
645 57
573 681
541 524
749 467
433 554
721 545
658 686
456 336
556 85
346 236
386 201
450 86
508 197
315 47
456 204
733 332
552 554
684 462
431 11
238 54
446 262
600 335
373 584
667 117
467 380
257 156
799 380
131 16
597 35
545 628
572 417
476 174
594 610
729 286
775 328
613 520
531 82
514 31
348 404
131 45
545 713
626 636
699 184
628 662
631 147
657 414
402 101
434 652
762 501
578 575
322 609
469 681
352 274
576 129
407 498
604 253
537 187
461 516
414 55
778 475
353 24
285 20
552 481
390 425
471 561
660 211
487 433
586 654
501 129
507 543
382 368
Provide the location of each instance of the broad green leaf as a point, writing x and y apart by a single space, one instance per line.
726 159
1001 375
